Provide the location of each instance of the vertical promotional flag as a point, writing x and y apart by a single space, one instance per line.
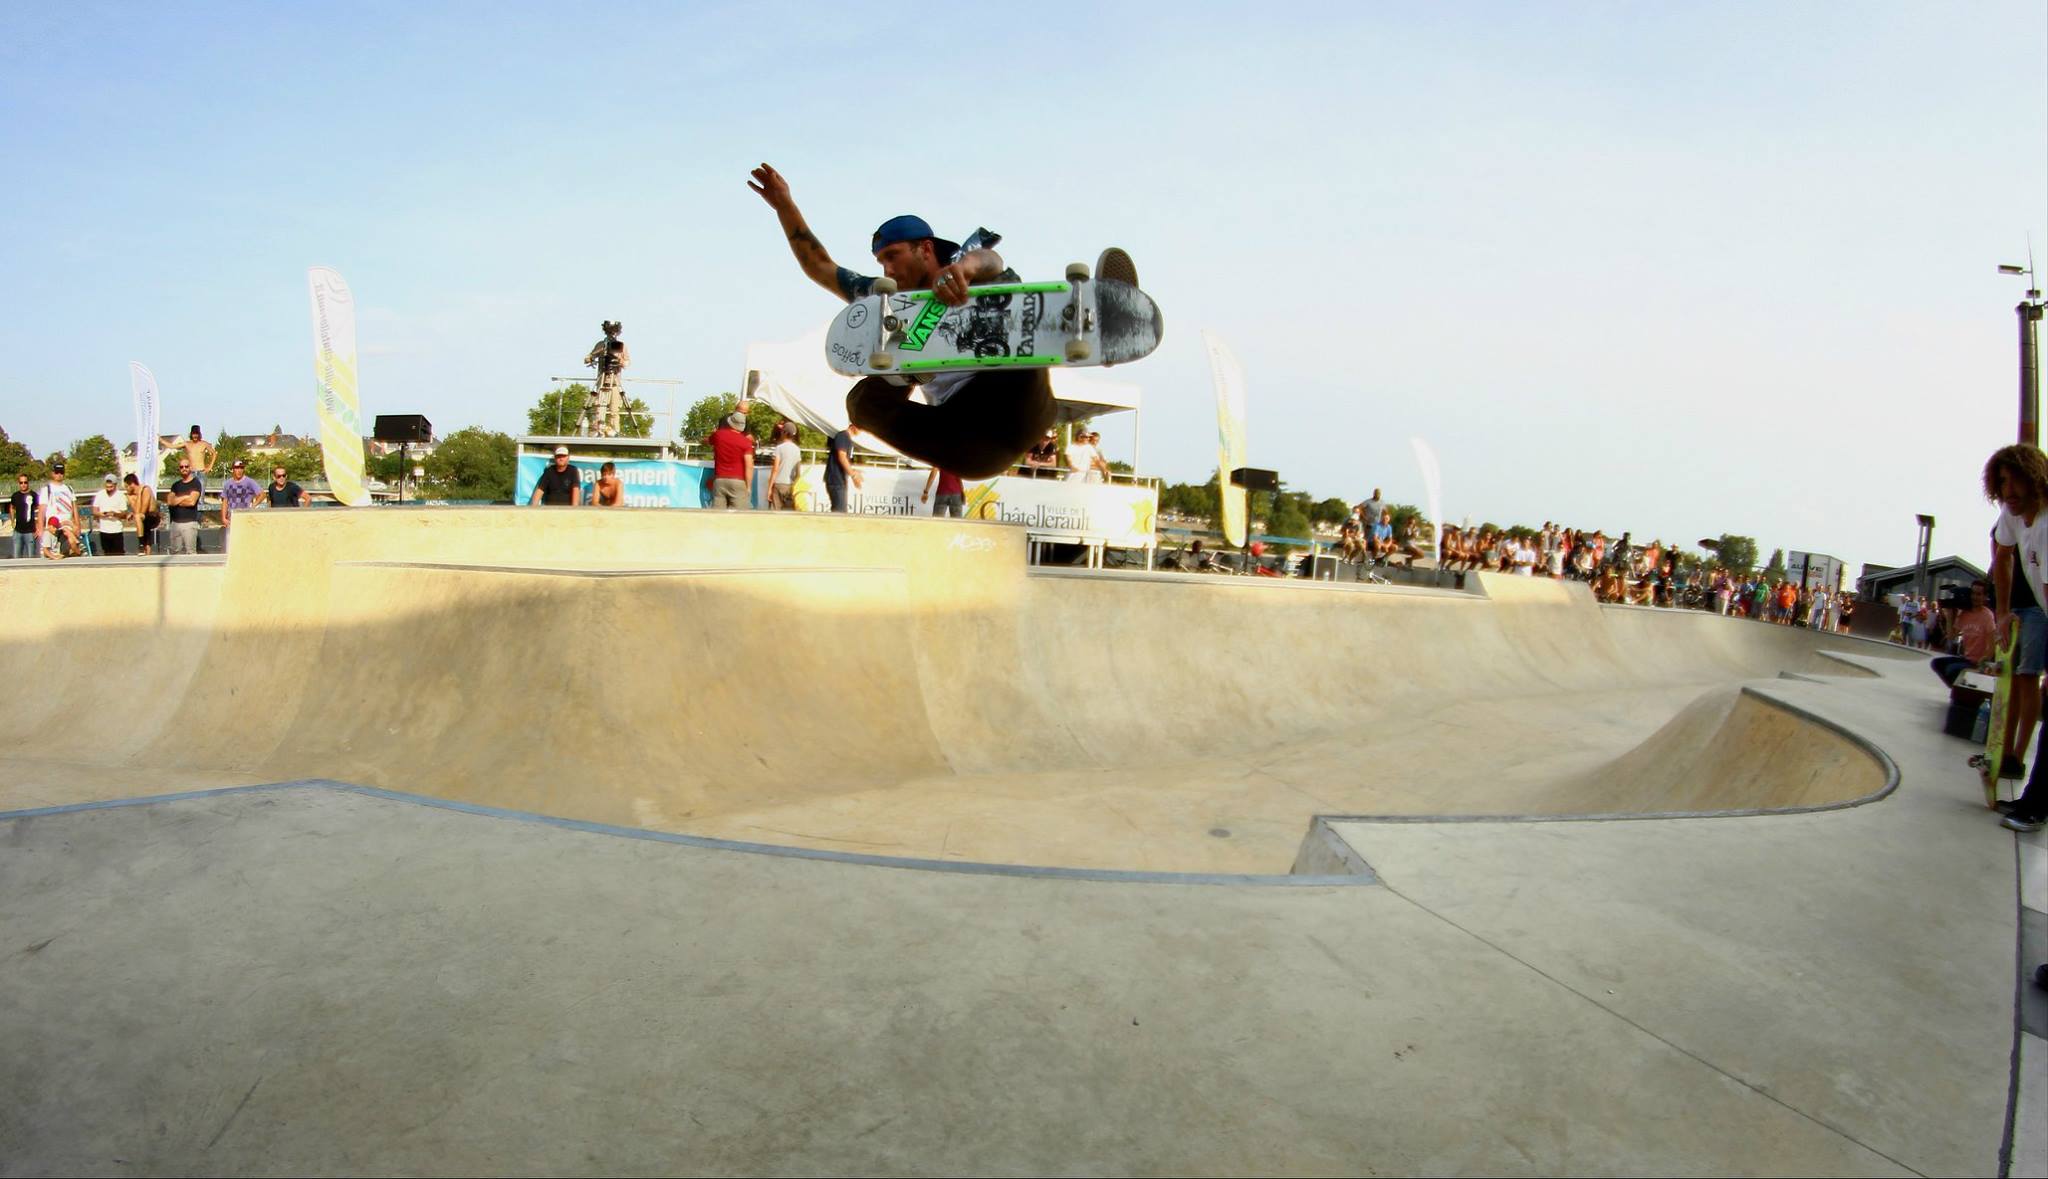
1230 440
148 452
1432 490
334 368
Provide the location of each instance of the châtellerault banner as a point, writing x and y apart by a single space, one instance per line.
1120 514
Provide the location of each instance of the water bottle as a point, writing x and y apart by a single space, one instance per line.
1983 724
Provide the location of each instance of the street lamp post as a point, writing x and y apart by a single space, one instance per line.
2029 312
1925 551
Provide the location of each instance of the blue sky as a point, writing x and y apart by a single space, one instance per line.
1677 268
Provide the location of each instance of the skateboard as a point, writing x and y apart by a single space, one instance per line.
1082 321
1989 761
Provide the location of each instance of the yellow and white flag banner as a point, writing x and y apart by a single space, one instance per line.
1230 439
148 449
334 368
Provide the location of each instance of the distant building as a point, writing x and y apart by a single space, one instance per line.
1878 582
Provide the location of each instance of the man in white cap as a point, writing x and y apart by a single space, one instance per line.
111 512
561 485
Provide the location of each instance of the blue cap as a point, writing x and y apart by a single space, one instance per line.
910 228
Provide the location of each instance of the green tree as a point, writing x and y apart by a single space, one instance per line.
707 413
90 458
226 449
1776 569
559 410
1199 501
472 463
1329 511
16 459
302 462
1737 554
386 467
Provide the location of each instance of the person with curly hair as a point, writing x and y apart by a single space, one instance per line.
2016 478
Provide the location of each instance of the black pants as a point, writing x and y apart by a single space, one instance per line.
1950 667
980 431
2033 802
113 544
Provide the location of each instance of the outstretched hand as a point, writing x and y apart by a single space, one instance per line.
769 185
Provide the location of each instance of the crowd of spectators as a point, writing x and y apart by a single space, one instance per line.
54 520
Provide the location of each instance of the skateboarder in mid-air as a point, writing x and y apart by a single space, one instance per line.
978 422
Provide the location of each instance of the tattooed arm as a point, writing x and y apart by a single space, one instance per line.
810 253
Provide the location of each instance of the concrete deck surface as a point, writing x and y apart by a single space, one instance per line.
1807 962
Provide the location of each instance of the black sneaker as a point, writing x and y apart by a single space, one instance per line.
1113 263
2012 768
2004 805
2020 821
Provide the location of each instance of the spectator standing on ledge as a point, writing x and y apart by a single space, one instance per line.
197 449
839 468
282 492
1082 459
609 492
110 515
183 500
1042 461
142 501
59 526
1370 510
732 464
785 467
238 494
27 519
952 499
561 485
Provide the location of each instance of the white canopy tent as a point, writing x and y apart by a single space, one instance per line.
792 377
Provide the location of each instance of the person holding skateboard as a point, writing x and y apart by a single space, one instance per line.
2016 479
977 422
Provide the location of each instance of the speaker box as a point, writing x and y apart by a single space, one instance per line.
403 427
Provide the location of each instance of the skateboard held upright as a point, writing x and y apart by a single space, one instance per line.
1082 321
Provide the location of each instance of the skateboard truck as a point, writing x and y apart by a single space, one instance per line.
1080 318
888 327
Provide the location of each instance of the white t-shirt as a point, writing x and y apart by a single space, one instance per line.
791 456
2031 541
1081 461
59 501
110 501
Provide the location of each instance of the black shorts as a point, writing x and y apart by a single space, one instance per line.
981 430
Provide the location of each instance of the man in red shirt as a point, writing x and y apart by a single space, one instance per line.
732 467
952 499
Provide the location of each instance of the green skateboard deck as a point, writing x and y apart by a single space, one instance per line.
1989 762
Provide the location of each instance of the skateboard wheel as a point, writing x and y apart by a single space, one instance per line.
1077 272
1078 350
881 361
884 286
